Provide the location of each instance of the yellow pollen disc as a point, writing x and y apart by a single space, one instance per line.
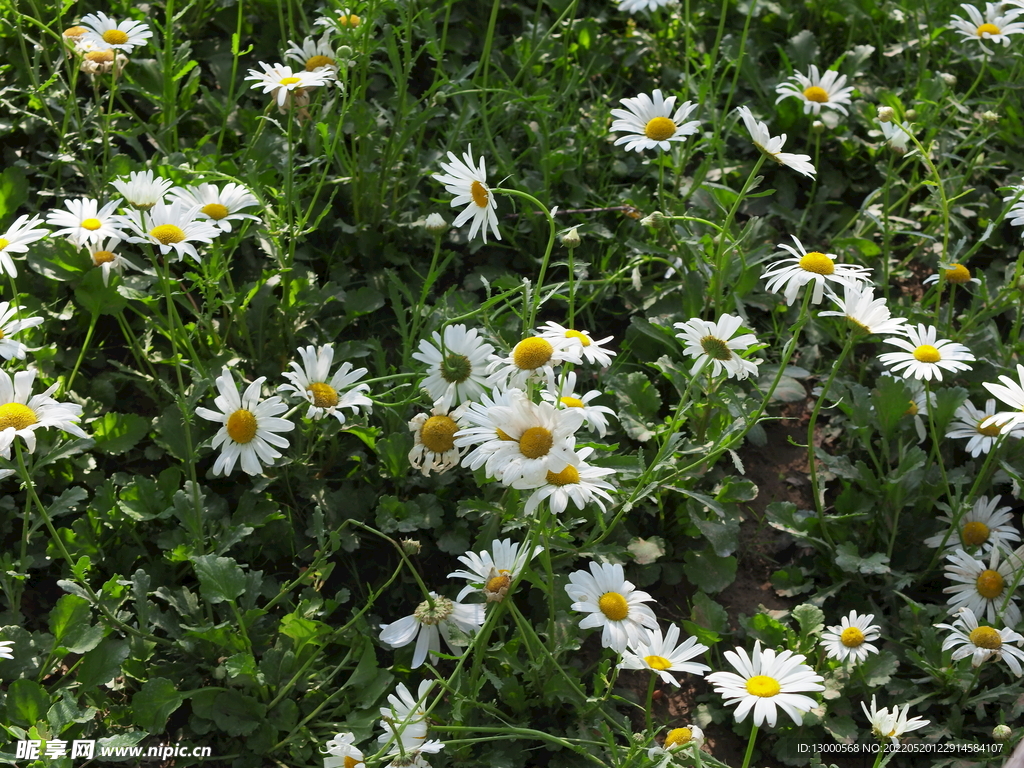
818 263
535 442
974 533
167 234
215 211
2 334
816 93
103 257
958 274
660 129
16 415
992 430
498 583
241 426
351 762
763 686
530 354
75 32
503 435
91 224
568 476
290 80
926 353
678 736
4 243
657 662
438 433
986 637
577 335
324 395
912 410
990 584
115 37
481 195
100 57
987 28
351 21
613 605
852 637
314 62
572 402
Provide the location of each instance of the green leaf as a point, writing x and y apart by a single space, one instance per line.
234 713
26 702
810 618
69 623
878 668
13 193
707 613
636 390
103 663
220 578
363 301
891 399
709 572
98 298
850 561
156 701
117 433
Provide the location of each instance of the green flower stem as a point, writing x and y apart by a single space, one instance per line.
750 747
880 756
650 702
93 317
814 185
538 288
943 197
718 279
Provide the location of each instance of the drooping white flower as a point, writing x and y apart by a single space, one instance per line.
890 726
772 147
434 618
434 448
468 182
803 267
1011 393
342 752
861 308
11 324
142 189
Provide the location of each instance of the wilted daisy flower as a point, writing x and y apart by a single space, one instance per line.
105 31
343 752
327 395
469 185
84 222
1011 393
22 413
968 425
632 6
773 146
23 231
817 92
646 551
982 643
919 406
494 573
861 308
767 680
613 603
957 274
994 26
594 416
581 484
314 55
456 365
105 256
9 326
889 726
99 61
170 227
434 448
279 81
665 654
851 639
896 134
805 267
712 342
983 526
925 355
436 616
249 428
142 189
983 590
649 122
405 725
678 740
218 206
589 349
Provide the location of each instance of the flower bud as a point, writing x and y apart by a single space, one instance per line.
435 224
886 114
345 52
989 117
411 546
948 79
817 127
1002 733
653 220
571 239
911 114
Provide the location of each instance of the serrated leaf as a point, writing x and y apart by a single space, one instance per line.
850 561
220 578
103 663
155 701
117 433
26 702
810 618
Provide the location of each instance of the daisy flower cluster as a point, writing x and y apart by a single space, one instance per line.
103 43
312 63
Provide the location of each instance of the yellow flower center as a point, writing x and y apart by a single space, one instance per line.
351 762
613 605
167 234
92 224
290 80
100 57
115 37
912 410
2 334
479 193
241 426
988 29
16 415
568 476
816 93
992 430
315 62
503 435
677 737
818 263
958 274
763 686
715 348
570 334
660 129
535 442
989 584
103 257
974 533
986 637
324 395
215 211
498 583
351 21
926 353
75 32
571 402
657 662
852 637
530 354
4 243
438 433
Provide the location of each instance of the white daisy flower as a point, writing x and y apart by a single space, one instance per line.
1011 393
713 342
889 726
594 416
469 185
632 6
22 413
105 256
494 573
804 267
897 135
447 618
925 356
456 365
84 222
851 639
532 358
9 326
279 81
170 227
613 603
96 61
590 350
957 274
649 122
343 752
218 206
343 19
773 146
142 189
1016 212
106 32
992 27
817 92
434 448
327 395
678 740
581 484
665 654
983 526
982 643
405 723
314 55
250 426
919 406
980 439
983 590
23 231
766 682
487 417
861 308
6 649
